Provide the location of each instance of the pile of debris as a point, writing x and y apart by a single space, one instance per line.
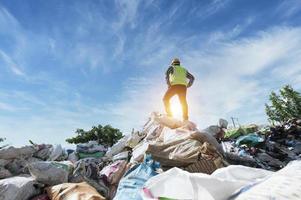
270 148
148 164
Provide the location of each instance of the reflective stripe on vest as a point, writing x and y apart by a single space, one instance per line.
178 77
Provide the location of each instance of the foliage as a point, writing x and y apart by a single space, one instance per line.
105 135
285 106
1 140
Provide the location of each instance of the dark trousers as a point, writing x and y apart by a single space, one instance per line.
179 90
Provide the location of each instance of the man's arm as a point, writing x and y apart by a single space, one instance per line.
191 79
169 71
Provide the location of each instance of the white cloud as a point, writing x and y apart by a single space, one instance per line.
230 78
6 107
11 64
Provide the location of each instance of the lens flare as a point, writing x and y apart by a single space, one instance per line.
176 108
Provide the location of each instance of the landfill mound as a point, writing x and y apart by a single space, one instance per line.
167 159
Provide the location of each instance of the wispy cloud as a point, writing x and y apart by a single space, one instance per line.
230 78
127 13
11 64
289 8
6 107
95 65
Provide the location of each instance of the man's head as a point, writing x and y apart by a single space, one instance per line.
175 61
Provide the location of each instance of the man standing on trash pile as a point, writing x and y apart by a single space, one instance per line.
176 78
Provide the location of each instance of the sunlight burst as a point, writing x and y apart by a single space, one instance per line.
176 108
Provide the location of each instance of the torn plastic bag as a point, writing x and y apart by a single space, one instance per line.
73 191
152 130
73 157
166 121
87 167
182 149
134 139
114 171
118 147
43 151
138 152
217 131
133 180
12 152
4 162
58 153
51 172
19 188
205 137
121 156
19 166
90 147
4 173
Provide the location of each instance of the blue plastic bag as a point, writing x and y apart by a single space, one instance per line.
133 180
251 139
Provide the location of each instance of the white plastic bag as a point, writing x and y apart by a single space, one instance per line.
121 156
73 157
19 188
12 152
284 184
134 139
179 184
51 173
118 147
56 152
138 152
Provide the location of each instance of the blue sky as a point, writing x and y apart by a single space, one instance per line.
74 64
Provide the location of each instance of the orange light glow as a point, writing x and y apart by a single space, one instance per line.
176 108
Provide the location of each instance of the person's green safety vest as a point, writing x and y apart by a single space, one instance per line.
178 77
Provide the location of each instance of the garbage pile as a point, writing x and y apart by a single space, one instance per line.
167 159
270 148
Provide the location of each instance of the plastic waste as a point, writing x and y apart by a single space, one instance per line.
118 147
252 139
4 173
283 184
51 172
114 171
134 139
134 179
121 156
56 152
12 152
19 188
179 184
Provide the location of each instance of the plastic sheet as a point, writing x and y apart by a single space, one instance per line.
134 179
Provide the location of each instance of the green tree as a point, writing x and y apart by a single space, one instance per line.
285 106
105 135
1 140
